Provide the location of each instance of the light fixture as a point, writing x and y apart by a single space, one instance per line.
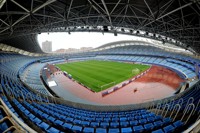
115 33
105 28
163 41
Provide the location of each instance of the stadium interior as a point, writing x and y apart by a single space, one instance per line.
29 104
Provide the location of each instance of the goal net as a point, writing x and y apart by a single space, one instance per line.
135 71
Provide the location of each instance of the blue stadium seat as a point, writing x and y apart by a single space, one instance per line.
149 127
123 119
85 123
138 129
94 124
36 120
124 124
51 119
113 130
101 130
3 126
158 117
59 122
138 117
114 124
76 121
168 129
158 124
115 119
178 124
43 125
44 116
107 119
150 119
31 116
67 126
53 130
104 124
126 130
88 130
158 131
76 128
134 123
69 119
166 121
142 121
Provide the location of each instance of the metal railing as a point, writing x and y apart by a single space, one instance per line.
188 110
8 117
175 111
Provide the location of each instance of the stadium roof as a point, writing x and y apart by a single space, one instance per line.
173 21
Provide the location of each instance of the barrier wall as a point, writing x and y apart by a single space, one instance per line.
121 85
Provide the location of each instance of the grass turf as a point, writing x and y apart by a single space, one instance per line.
100 75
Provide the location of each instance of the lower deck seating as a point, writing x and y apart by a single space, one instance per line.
45 116
51 117
59 118
31 76
188 70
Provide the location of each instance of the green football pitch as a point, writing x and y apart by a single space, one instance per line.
100 75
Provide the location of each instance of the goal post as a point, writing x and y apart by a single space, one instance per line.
135 70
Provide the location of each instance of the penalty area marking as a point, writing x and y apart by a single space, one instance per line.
111 83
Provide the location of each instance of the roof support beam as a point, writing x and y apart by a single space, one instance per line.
2 3
57 12
188 4
4 29
27 15
175 10
126 9
189 28
4 22
135 15
104 4
149 9
120 13
98 6
99 12
32 5
182 17
20 19
88 15
43 5
69 9
13 13
20 6
115 7
166 6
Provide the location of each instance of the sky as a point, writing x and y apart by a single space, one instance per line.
81 39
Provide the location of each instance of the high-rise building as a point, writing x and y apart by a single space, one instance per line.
47 46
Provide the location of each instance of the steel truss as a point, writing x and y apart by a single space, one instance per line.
173 19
